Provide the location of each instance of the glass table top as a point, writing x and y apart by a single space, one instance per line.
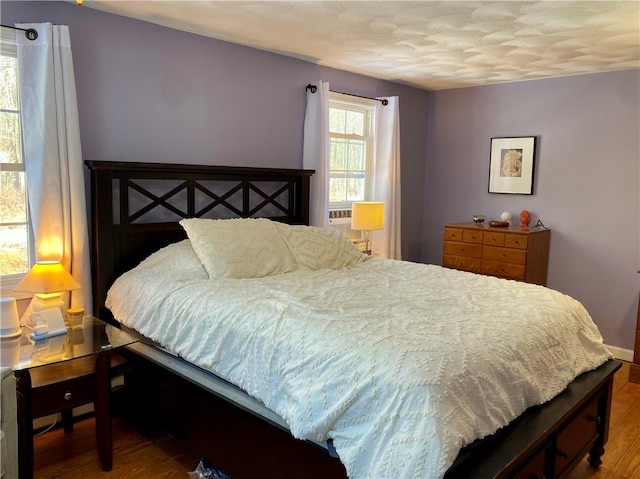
92 337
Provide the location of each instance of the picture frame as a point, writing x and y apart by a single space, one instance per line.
512 165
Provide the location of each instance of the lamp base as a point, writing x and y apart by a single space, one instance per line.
42 301
368 248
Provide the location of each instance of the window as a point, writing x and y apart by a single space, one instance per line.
351 163
15 233
351 150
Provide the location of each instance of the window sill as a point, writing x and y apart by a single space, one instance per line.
17 295
7 285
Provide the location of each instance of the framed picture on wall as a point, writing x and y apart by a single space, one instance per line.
511 165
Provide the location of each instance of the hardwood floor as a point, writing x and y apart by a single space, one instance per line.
74 456
138 456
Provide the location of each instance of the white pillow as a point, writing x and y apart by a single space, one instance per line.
316 248
176 258
239 248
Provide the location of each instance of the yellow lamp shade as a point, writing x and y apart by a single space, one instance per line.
367 215
47 277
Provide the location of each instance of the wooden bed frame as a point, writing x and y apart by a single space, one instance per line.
135 210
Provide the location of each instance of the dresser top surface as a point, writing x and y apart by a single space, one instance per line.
509 229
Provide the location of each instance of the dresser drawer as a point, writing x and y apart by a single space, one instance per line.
493 238
502 270
462 263
516 241
453 234
471 236
506 255
71 393
452 248
576 435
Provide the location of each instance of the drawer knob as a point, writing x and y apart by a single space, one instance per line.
562 454
67 396
595 419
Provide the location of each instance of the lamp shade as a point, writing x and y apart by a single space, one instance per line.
367 215
47 277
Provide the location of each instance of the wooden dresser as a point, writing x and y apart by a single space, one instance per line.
510 252
634 371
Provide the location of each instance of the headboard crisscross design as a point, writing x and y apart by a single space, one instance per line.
271 199
136 207
218 200
156 201
131 212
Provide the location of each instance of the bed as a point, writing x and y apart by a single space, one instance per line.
139 209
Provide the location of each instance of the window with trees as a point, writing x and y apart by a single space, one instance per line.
14 221
351 150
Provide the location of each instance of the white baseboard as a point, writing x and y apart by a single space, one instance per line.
621 353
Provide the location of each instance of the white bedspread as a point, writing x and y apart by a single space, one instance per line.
401 364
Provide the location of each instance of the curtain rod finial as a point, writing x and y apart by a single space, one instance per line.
311 88
31 33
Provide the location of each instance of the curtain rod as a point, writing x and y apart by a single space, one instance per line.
314 88
30 33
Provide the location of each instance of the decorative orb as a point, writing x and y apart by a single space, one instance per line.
478 219
506 216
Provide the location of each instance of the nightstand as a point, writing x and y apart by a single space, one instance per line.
55 375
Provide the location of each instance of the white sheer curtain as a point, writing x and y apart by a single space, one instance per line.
315 154
52 153
386 242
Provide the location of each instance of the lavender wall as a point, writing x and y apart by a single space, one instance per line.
586 180
149 93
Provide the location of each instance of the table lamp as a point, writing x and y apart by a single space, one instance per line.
367 216
47 279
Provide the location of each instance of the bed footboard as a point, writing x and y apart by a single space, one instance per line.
549 440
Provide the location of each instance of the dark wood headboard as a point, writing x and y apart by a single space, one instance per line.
136 208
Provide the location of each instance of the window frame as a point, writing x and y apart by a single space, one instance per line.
360 105
9 281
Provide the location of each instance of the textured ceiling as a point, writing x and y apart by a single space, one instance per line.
429 44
